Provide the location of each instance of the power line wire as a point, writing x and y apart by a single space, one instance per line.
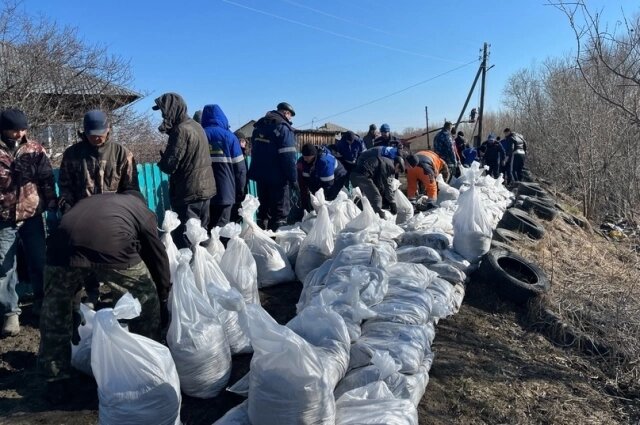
337 34
339 18
393 94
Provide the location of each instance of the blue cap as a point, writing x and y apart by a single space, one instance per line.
95 123
491 137
384 128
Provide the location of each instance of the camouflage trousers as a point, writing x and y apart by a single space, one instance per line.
60 289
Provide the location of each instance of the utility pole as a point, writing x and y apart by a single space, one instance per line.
426 115
485 53
466 102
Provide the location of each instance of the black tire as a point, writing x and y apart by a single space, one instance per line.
527 176
568 218
531 189
520 221
514 277
541 208
501 245
507 236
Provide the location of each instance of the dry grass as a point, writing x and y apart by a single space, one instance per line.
595 293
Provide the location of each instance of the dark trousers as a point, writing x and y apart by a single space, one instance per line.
32 236
368 189
516 166
274 205
337 186
494 170
199 210
219 215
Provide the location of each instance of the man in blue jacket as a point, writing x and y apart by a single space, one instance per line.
348 149
273 164
443 146
318 169
228 164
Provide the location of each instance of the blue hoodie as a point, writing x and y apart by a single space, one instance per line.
227 159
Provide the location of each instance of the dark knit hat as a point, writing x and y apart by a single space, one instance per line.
95 123
13 119
309 150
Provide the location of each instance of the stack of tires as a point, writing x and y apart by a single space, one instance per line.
513 277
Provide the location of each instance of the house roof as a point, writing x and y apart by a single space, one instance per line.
332 128
73 87
247 129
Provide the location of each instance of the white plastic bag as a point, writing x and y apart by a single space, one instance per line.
433 239
239 415
317 246
367 219
290 240
382 368
136 376
287 383
207 274
374 404
271 260
446 192
196 337
215 247
327 331
81 353
405 209
472 226
418 254
404 304
238 265
169 224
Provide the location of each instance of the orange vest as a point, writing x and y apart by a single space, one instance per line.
415 174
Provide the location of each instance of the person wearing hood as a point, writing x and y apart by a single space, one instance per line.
386 139
187 162
319 169
228 165
348 149
273 165
374 173
27 189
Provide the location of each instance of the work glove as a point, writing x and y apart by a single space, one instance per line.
393 208
78 319
380 212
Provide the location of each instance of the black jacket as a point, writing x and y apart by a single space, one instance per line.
379 169
114 231
186 158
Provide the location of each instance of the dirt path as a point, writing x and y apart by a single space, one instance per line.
488 369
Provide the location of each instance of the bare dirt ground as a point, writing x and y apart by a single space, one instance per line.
492 367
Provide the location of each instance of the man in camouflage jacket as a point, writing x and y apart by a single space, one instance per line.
26 190
95 164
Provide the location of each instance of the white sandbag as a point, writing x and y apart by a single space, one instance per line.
418 254
407 344
238 265
196 337
287 382
367 219
341 211
472 226
346 239
374 404
372 282
207 273
458 261
136 376
327 331
313 284
307 221
317 246
401 272
290 240
443 302
81 353
446 192
436 240
169 224
404 304
271 260
215 247
417 383
382 368
448 272
405 208
381 256
239 415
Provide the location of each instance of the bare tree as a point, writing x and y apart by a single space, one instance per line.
49 72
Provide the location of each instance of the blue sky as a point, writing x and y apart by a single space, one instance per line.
323 57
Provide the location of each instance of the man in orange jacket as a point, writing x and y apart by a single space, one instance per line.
425 166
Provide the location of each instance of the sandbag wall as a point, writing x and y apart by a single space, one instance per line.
359 349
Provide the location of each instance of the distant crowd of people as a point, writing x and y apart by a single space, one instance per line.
98 229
